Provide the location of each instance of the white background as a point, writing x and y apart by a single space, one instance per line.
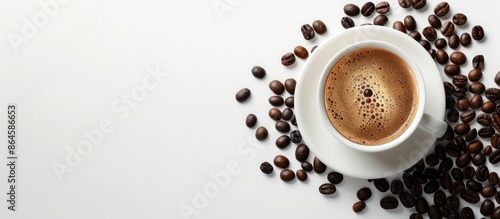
66 78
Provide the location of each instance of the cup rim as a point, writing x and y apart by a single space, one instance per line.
420 86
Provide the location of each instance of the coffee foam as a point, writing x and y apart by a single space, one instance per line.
386 113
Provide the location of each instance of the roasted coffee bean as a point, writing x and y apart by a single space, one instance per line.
441 57
293 120
484 119
290 84
276 100
397 187
421 205
319 27
383 7
482 173
457 174
418 4
474 185
389 202
407 200
261 133
415 35
452 115
301 175
434 21
258 72
419 177
462 103
458 58
416 216
359 206
462 129
475 146
425 44
456 188
251 120
465 39
281 161
463 160
283 141
287 175
318 166
468 115
432 174
307 31
398 25
431 186
489 191
408 179
405 3
327 188
448 135
429 33
471 135
487 207
495 141
381 184
440 43
410 23
288 59
432 160
453 41
475 75
459 19
420 166
451 70
432 52
275 114
266 168
301 52
486 132
496 213
282 126
447 29
440 198
287 114
494 157
302 152
367 9
290 101
488 107
478 62
277 87
440 151
467 213
445 165
453 150
476 101
434 212
445 181
469 172
380 20
470 196
497 78
452 202
477 32
487 150
243 95
335 177
308 167
479 159
295 136
461 142
364 194
351 10
459 80
442 9
347 22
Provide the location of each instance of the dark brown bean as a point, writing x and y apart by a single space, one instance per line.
281 161
327 188
276 100
398 25
389 202
319 27
382 7
347 22
477 32
367 9
462 129
261 133
275 114
359 206
450 102
453 41
429 33
282 126
290 84
301 175
307 31
415 35
463 160
397 187
380 20
335 177
470 196
475 75
476 101
420 178
276 87
425 44
301 52
487 150
288 59
251 120
463 104
295 136
456 188
469 172
407 200
405 3
381 184
474 185
459 19
489 191
471 135
432 52
495 141
432 160
287 175
488 107
452 202
266 168
258 72
434 21
487 207
496 213
484 119
283 141
447 29
364 194
432 186
418 4
287 114
421 206
465 39
290 101
482 173
497 78
445 181
351 10
318 166
440 198
442 9
410 22
441 56
466 213
302 152
494 157
458 58
434 212
479 159
308 167
243 95
451 70
475 146
486 132
461 142
457 174
459 80
478 62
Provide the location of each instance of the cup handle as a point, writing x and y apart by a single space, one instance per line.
433 126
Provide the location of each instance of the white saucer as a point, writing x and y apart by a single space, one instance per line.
345 159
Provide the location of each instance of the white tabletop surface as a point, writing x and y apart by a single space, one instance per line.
178 142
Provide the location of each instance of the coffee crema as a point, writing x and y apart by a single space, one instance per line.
371 96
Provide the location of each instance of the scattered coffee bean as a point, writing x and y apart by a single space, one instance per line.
418 4
407 200
477 32
405 3
302 152
389 202
282 126
432 160
487 207
422 206
496 213
347 22
293 120
471 135
462 129
301 52
489 191
410 23
475 146
335 177
493 179
415 35
287 175
441 56
469 172
458 58
318 166
416 216
442 9
383 7
474 185
266 168
258 72
367 9
470 196
463 160
381 184
358 206
276 100
445 181
432 186
290 84
243 95
445 165
251 120
434 212
453 41
287 114
440 151
484 119
462 103
440 43
283 141
432 52
281 161
482 173
475 75
457 174
459 80
478 62
494 157
364 194
465 39
459 19
307 31
432 174
380 20
288 59
429 33
308 167
301 175
487 150
486 132
456 188
419 177
488 107
351 10
495 141
468 115
397 187
295 136
440 198
452 202
319 27
466 213
460 141
261 133
277 87
434 21
478 159
275 114
327 188
476 101
290 101
451 70
425 44
453 150
497 78
447 29
398 25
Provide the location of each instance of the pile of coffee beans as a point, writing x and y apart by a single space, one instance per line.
455 173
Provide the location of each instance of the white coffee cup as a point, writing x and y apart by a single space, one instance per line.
435 127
